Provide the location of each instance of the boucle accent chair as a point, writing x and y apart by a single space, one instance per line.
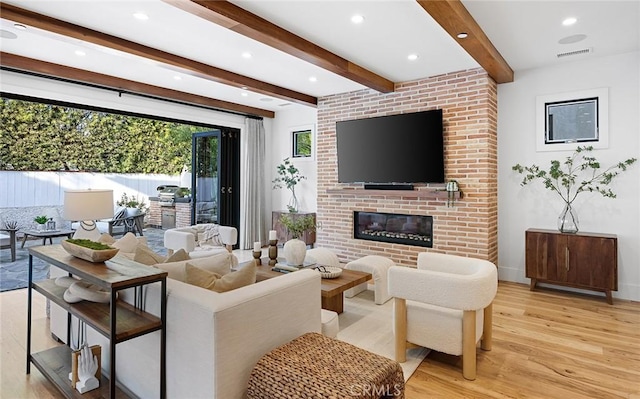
445 304
193 240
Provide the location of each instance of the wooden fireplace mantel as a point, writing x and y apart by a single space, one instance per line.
429 193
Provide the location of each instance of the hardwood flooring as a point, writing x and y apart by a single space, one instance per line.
546 344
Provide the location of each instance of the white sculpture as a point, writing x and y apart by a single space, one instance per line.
87 367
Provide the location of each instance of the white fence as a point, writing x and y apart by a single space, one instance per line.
36 189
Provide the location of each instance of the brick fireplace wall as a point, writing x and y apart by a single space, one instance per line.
469 228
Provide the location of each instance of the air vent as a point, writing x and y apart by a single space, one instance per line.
576 52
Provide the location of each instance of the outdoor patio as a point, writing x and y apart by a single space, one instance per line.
15 275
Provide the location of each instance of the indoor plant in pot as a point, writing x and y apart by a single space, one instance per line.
41 220
288 176
295 249
578 173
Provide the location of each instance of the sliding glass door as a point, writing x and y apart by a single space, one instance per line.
216 177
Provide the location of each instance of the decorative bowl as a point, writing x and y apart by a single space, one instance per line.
88 254
329 271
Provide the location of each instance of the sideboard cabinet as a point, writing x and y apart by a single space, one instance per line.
582 260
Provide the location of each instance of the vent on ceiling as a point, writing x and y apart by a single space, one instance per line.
576 52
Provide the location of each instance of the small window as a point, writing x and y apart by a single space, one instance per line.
574 121
302 142
567 120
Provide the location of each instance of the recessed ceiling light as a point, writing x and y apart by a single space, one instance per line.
177 77
313 79
569 21
412 57
246 55
244 87
19 26
357 19
462 35
244 94
572 39
80 53
266 99
141 16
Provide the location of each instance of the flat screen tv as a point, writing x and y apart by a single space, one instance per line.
406 148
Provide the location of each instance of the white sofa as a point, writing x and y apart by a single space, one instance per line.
190 239
213 339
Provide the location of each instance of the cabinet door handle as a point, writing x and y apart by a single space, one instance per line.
566 258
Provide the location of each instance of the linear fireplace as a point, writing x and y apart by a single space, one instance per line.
393 228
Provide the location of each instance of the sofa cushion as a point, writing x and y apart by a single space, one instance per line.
210 236
177 256
245 275
219 263
145 255
127 243
105 238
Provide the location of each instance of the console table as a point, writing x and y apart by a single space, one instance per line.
118 321
581 260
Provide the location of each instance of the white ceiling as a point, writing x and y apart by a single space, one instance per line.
526 33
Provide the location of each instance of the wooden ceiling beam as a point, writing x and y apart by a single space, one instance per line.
455 18
241 21
184 65
117 84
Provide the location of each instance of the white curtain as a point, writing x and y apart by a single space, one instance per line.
252 206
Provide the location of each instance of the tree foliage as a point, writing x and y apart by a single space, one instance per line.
45 137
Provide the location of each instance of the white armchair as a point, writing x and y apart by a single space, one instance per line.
445 304
192 240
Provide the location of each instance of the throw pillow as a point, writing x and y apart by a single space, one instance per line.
105 238
146 256
177 256
246 275
219 263
126 243
211 236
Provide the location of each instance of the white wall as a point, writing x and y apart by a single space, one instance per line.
279 146
520 208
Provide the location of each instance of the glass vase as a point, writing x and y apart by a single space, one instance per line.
568 220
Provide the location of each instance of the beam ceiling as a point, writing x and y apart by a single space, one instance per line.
241 21
455 18
185 65
118 84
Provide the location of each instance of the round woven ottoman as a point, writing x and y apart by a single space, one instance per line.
314 366
378 266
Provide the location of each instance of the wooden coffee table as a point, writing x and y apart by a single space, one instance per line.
331 288
46 234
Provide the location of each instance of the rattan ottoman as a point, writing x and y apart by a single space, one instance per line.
315 366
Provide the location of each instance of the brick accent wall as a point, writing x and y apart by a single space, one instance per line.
469 103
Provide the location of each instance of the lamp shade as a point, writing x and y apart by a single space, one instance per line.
88 204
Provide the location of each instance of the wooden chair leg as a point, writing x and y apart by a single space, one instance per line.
469 344
400 330
487 328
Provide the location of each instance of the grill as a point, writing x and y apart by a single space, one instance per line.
167 195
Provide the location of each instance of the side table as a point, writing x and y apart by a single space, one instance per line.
12 242
44 234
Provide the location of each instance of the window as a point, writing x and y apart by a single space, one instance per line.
570 119
302 142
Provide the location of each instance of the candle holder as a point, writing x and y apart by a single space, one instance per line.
256 257
273 252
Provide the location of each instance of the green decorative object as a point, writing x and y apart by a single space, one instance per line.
131 202
579 172
288 176
298 226
41 219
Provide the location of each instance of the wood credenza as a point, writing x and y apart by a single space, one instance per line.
309 237
582 260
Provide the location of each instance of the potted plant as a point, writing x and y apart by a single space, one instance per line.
295 249
132 203
288 176
578 173
41 220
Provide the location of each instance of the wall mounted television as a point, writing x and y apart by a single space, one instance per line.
405 148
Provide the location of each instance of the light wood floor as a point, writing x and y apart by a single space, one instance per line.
546 344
